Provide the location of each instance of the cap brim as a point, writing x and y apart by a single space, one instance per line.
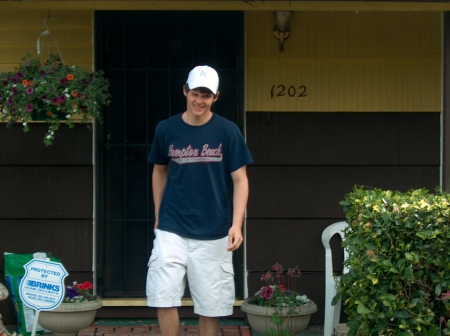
197 84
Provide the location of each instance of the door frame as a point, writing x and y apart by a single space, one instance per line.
99 165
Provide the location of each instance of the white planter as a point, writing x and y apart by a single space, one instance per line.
259 317
341 329
69 318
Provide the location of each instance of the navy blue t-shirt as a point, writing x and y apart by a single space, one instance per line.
197 198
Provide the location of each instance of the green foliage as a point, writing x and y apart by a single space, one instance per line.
399 262
280 329
51 91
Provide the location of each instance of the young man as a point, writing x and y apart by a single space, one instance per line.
200 163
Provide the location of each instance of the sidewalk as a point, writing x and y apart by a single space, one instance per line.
154 330
184 331
142 327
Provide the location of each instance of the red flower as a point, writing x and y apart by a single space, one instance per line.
85 286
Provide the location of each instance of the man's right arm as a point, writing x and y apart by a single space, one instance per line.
159 181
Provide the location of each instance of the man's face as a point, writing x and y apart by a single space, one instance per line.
199 104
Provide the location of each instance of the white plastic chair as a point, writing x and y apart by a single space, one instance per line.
332 313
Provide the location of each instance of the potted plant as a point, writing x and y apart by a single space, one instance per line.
76 312
53 92
277 308
399 262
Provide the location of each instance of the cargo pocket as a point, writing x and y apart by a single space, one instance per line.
151 277
227 285
152 259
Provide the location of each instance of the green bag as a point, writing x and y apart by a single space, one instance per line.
14 272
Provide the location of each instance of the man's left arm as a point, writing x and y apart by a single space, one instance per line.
240 197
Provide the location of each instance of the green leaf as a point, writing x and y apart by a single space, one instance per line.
402 314
409 225
437 289
412 305
433 330
387 262
388 296
363 310
409 256
409 273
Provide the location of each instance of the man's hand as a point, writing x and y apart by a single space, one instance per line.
235 238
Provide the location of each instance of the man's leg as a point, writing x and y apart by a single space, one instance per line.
169 323
208 326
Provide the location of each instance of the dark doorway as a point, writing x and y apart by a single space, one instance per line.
147 56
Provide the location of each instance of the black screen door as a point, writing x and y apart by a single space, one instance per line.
147 56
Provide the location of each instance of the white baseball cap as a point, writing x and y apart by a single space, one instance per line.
203 76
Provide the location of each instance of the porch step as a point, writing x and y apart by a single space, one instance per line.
142 302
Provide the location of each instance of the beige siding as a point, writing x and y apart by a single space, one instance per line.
347 61
355 62
20 30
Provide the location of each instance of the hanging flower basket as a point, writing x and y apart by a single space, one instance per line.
53 92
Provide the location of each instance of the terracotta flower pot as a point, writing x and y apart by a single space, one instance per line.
259 317
69 318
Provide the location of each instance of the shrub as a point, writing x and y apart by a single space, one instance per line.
399 262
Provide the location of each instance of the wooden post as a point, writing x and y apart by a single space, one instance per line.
445 123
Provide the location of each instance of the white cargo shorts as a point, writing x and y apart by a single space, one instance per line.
207 266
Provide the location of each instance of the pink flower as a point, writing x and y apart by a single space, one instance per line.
293 272
277 267
266 277
266 292
445 296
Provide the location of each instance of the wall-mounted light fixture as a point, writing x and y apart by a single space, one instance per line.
281 30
